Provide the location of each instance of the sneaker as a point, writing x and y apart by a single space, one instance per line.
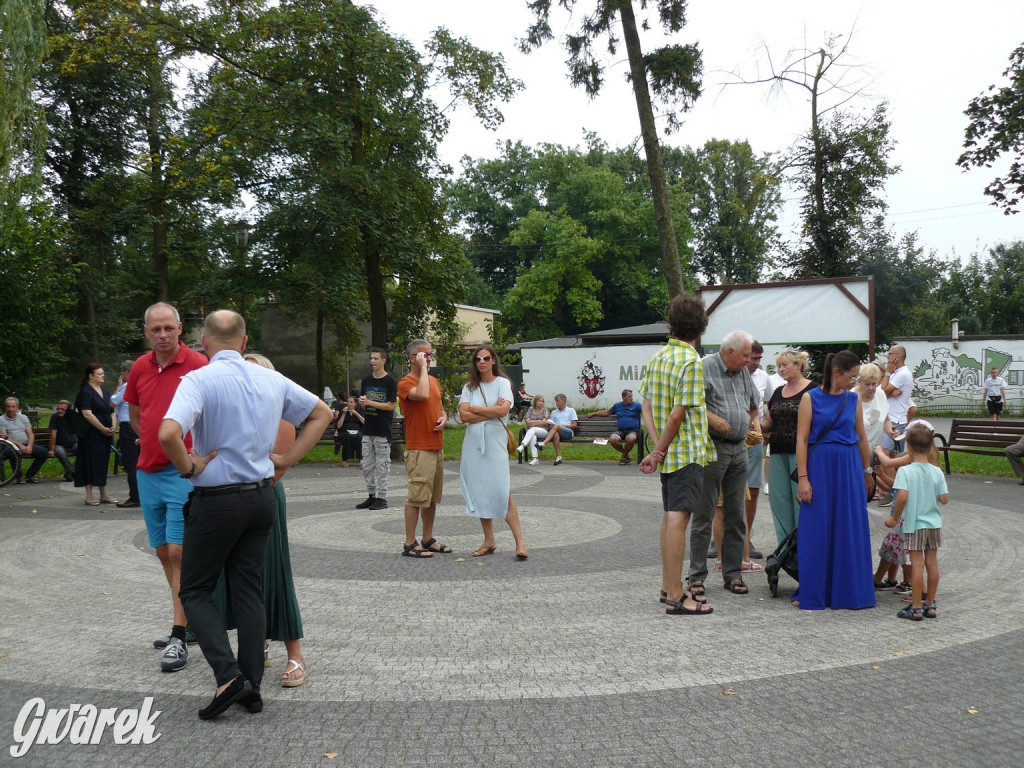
175 656
755 554
534 462
366 504
558 461
885 501
163 641
378 503
903 589
521 447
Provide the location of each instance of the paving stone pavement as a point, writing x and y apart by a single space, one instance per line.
566 659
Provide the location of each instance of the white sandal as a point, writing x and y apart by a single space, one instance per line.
289 669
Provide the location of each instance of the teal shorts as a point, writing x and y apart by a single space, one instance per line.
163 494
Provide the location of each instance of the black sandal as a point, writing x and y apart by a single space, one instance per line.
737 587
414 550
686 593
441 548
674 608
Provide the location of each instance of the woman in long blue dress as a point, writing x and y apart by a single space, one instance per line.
484 473
832 456
93 402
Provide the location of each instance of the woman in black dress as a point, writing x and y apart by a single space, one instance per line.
94 449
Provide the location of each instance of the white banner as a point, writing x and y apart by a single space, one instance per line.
787 314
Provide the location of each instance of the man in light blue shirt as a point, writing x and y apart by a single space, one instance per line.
233 410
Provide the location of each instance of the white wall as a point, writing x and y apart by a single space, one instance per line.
947 376
550 371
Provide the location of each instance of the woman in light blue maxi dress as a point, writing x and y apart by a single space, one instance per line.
484 472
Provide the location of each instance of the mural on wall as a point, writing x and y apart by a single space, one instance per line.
947 376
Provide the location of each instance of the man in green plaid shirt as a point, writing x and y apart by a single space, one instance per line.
675 416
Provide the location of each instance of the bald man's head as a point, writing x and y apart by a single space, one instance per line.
224 329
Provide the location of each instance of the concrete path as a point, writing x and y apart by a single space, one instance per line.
566 659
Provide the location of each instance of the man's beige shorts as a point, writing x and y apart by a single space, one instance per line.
426 477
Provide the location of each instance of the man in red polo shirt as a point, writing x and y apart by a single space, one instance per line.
153 380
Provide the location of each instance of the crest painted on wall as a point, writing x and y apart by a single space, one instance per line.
591 379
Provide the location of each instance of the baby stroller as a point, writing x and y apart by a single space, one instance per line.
782 559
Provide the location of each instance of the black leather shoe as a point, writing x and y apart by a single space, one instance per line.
755 554
253 703
367 503
238 689
129 504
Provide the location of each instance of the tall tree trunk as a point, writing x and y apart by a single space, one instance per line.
367 244
375 293
652 149
157 184
319 351
818 239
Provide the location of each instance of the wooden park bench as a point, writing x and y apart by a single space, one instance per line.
589 430
981 436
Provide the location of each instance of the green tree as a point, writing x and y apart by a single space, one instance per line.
841 170
674 73
1004 300
906 281
558 294
735 203
329 123
996 128
604 192
37 294
22 43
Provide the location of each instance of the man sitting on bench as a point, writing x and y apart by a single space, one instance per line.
563 421
15 426
63 441
627 414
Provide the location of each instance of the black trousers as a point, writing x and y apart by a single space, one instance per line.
228 531
126 438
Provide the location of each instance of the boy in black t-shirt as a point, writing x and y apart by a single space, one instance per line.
379 392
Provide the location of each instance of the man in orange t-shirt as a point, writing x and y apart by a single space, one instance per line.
420 396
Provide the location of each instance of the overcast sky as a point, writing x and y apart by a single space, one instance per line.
927 59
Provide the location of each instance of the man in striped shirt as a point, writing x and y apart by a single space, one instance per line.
676 419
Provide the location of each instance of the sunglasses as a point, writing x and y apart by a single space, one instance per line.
483 358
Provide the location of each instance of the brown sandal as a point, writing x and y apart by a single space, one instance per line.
737 587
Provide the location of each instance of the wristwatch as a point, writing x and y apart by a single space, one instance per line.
190 474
